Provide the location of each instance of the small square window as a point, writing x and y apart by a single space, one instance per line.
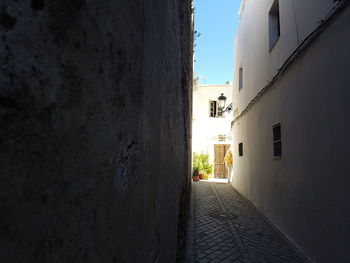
277 140
240 149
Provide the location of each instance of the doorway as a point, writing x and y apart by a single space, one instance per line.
220 170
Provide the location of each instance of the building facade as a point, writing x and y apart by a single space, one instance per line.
210 126
291 119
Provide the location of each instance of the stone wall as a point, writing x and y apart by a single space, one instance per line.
94 129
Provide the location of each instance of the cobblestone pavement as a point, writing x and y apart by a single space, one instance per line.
225 227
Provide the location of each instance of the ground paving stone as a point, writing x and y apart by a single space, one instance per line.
225 227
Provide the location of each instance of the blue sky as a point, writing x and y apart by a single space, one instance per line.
217 23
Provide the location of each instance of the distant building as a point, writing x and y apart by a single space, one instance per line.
212 127
291 123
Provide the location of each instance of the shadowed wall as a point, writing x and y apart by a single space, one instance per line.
94 129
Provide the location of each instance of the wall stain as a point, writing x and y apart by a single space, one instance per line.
126 170
7 21
37 5
63 16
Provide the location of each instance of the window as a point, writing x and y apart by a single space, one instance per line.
240 149
240 79
215 110
220 112
277 143
212 108
274 24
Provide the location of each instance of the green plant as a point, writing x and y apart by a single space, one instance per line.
195 171
207 168
201 161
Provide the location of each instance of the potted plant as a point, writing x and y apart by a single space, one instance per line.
207 169
195 176
201 175
201 161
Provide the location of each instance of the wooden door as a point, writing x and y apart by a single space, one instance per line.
220 170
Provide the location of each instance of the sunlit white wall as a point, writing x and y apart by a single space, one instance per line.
298 18
205 129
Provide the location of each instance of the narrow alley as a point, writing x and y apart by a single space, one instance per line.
224 227
120 121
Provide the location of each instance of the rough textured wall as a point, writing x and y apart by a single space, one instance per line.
94 129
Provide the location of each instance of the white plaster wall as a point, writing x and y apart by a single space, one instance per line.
298 18
204 127
306 192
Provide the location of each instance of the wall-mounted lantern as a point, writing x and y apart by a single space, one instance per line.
222 101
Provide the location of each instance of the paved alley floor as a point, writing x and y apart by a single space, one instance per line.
225 227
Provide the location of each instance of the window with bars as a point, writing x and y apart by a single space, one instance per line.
277 140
